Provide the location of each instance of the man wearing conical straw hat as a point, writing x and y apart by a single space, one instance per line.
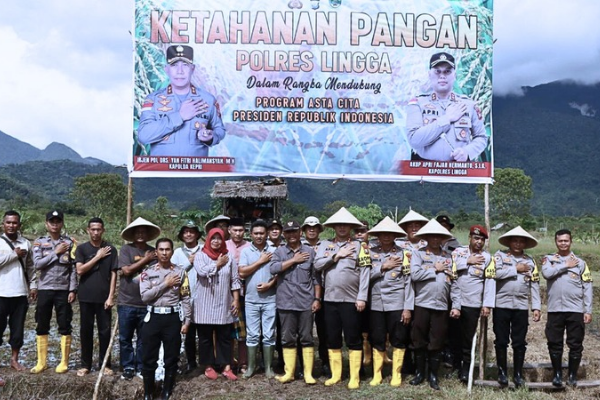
411 223
391 300
183 256
570 294
134 256
516 280
435 286
346 267
469 264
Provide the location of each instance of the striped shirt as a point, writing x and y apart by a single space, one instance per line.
212 299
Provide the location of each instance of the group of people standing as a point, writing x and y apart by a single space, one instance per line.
404 287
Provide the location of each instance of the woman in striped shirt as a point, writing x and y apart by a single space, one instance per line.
215 303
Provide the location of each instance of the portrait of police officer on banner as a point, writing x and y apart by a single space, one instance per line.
180 120
443 125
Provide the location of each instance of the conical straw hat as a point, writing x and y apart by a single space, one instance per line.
343 216
387 225
153 230
530 241
213 222
433 228
412 216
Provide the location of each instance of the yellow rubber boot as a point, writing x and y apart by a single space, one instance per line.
367 351
377 367
289 358
397 361
308 356
355 357
335 364
42 354
65 351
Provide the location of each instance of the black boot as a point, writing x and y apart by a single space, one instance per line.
168 385
463 374
574 361
434 366
518 361
149 387
408 365
556 360
501 363
420 360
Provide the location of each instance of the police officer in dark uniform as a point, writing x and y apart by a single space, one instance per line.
515 284
53 258
164 287
435 291
569 305
181 119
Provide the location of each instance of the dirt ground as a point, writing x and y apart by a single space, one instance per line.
49 385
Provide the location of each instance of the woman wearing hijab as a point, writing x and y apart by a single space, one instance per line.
215 303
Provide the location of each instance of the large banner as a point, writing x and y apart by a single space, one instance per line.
395 90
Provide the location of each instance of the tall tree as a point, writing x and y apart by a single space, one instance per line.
510 195
103 195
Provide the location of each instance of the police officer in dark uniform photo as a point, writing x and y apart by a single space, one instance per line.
443 125
181 119
164 287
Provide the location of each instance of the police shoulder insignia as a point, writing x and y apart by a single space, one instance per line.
185 286
586 276
535 275
218 108
147 105
143 276
490 271
364 259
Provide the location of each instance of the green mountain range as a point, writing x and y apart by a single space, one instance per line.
552 132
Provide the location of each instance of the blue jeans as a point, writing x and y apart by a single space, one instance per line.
260 315
131 319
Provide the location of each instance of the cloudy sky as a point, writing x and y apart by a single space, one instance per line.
66 70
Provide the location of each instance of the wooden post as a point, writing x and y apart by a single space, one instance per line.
483 322
106 357
129 198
